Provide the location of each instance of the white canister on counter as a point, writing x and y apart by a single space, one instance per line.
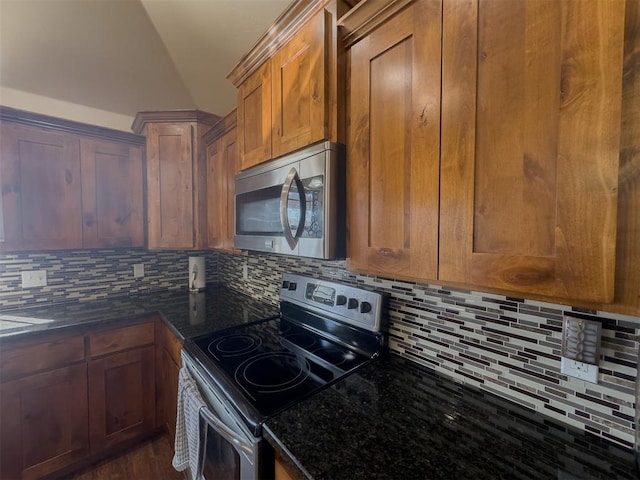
197 277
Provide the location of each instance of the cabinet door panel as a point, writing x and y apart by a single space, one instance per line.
111 194
122 397
299 88
222 165
170 186
44 422
530 145
254 117
394 146
40 174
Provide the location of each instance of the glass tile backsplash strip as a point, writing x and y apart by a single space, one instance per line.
93 274
503 345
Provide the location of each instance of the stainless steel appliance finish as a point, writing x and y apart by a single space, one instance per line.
228 449
249 373
295 204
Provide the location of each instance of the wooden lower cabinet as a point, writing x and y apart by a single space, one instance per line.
121 397
67 399
169 362
43 422
280 471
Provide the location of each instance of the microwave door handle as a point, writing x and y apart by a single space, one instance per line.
224 431
292 239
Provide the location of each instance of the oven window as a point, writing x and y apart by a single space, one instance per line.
221 461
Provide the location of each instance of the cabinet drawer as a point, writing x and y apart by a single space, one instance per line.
118 339
41 356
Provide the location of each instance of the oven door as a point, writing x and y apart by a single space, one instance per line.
227 449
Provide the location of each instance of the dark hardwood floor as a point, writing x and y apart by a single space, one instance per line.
148 461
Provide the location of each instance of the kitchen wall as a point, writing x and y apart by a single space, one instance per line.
503 345
93 274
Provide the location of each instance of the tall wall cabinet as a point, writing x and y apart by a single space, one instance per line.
68 185
176 179
222 166
484 143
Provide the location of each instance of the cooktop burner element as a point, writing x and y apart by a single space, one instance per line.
233 345
266 366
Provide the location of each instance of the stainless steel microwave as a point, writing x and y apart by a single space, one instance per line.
295 204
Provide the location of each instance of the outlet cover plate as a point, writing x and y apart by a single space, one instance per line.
34 278
581 370
138 270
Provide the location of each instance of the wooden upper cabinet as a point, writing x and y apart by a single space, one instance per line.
176 177
292 83
41 191
254 117
394 146
68 185
112 194
504 174
299 80
530 145
222 166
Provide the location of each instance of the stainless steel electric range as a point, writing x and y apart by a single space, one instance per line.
247 374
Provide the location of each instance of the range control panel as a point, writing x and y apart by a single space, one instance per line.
357 306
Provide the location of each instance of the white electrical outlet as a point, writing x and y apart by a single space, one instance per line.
138 270
245 271
34 278
581 370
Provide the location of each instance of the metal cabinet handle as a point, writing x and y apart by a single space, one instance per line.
292 239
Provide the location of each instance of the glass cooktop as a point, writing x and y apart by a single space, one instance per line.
277 362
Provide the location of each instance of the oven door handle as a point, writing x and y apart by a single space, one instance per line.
292 239
225 431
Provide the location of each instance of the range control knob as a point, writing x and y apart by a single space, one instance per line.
341 300
352 303
365 307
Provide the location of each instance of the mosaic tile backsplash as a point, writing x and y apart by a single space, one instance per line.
93 274
503 345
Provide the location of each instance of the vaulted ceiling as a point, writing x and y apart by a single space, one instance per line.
125 56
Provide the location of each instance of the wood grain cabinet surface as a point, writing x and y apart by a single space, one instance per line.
254 117
43 405
222 166
112 194
67 399
484 143
393 148
176 177
291 83
67 185
169 362
41 191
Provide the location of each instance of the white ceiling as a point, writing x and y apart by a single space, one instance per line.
125 56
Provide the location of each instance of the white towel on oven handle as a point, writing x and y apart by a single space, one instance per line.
187 442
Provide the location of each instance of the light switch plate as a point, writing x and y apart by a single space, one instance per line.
581 370
34 278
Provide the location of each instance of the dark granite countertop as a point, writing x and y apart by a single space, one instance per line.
391 420
183 310
396 420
